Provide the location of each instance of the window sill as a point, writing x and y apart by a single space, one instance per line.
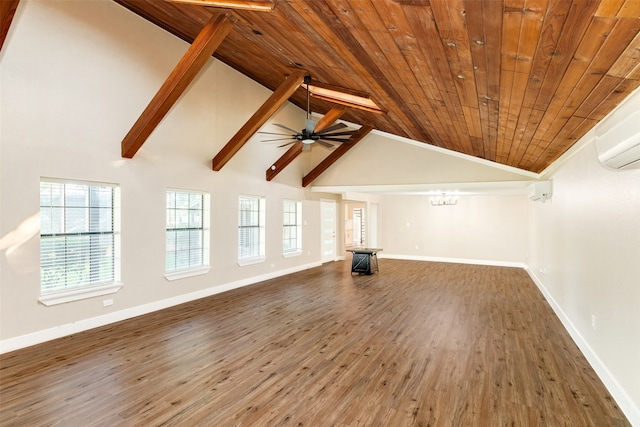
250 261
189 272
291 254
62 297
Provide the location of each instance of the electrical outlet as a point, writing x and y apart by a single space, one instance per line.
593 321
107 302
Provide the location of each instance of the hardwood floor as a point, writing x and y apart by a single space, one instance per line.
419 344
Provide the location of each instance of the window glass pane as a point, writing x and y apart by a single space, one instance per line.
76 219
182 240
45 194
292 227
171 218
195 201
182 200
100 197
195 219
76 195
101 219
77 245
187 237
182 218
171 199
251 227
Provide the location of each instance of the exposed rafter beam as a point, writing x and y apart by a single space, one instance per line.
295 150
202 48
335 155
260 117
7 11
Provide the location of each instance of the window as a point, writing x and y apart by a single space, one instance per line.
187 246
251 230
79 240
292 228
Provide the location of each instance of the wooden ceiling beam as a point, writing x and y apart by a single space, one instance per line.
202 48
259 118
7 11
295 150
335 155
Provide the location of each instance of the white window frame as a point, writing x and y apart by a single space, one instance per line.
57 224
191 216
291 228
251 226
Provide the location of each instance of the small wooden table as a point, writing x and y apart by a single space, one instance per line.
365 260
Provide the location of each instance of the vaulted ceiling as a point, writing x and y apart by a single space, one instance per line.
517 82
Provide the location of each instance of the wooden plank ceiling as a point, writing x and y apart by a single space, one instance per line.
517 82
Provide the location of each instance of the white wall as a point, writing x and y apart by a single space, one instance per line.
75 76
485 229
584 251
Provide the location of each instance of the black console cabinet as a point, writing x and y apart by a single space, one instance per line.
365 260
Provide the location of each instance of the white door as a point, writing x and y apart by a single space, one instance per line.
328 218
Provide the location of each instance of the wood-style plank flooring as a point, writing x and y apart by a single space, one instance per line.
418 344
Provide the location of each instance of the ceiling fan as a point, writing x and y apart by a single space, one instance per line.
326 137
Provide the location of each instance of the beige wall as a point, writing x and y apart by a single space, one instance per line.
584 250
489 229
75 77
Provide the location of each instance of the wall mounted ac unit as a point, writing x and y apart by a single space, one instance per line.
539 190
624 154
618 137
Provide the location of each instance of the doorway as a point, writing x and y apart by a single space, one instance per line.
328 238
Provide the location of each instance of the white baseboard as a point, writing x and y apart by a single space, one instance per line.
453 260
626 404
38 337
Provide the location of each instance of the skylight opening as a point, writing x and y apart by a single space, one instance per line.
361 101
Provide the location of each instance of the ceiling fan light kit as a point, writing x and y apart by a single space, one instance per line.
308 135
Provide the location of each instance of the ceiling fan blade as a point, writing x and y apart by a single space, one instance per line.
287 128
325 144
332 128
279 139
343 140
274 133
287 144
310 126
345 133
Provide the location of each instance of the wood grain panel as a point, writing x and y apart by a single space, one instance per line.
493 79
419 343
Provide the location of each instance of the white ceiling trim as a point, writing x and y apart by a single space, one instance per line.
454 188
